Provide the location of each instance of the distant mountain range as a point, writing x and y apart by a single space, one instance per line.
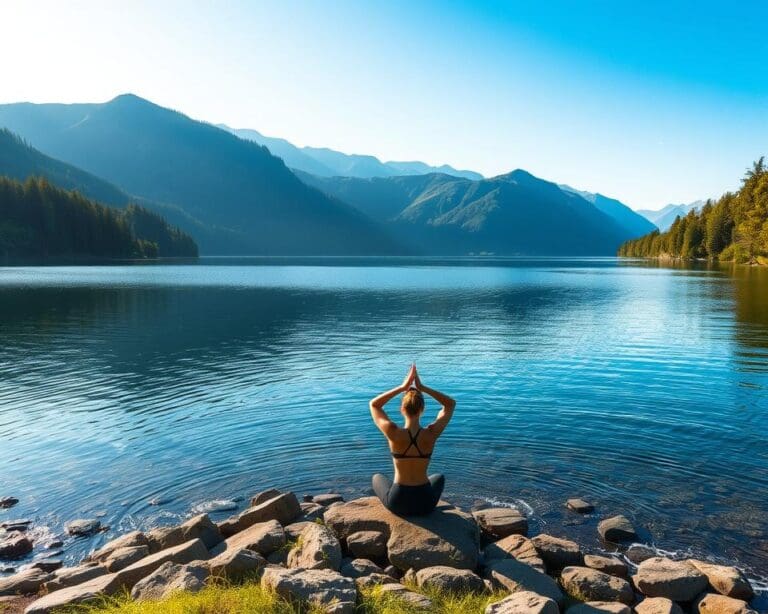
326 162
235 197
664 217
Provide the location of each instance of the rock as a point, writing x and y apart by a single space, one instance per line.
135 538
198 527
48 564
83 527
92 590
26 582
412 599
161 500
556 552
588 584
675 580
317 548
70 576
367 544
192 550
500 522
514 576
122 557
374 579
264 495
170 578
637 553
616 529
516 547
19 524
278 557
311 511
606 564
449 580
447 536
8 502
293 530
523 602
320 587
712 603
393 571
599 607
360 567
217 505
658 605
580 506
283 508
236 564
328 499
55 543
15 545
725 580
264 538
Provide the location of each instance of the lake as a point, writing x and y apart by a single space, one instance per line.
641 388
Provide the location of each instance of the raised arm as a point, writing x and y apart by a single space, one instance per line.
380 417
446 411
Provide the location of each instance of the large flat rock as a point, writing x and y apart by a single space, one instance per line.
675 580
447 536
588 584
284 508
193 550
26 582
513 576
726 580
82 593
263 537
322 588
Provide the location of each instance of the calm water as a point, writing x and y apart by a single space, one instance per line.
642 389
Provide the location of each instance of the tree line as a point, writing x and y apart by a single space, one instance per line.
734 228
38 219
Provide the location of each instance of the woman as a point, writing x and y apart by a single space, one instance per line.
413 493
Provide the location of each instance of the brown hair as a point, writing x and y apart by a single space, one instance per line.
413 402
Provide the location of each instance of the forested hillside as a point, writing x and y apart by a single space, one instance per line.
733 228
40 220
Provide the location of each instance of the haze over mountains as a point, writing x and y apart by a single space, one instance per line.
664 217
235 196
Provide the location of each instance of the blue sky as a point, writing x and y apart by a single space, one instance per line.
651 102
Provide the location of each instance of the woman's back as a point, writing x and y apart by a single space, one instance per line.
411 453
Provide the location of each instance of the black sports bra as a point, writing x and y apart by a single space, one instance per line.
414 444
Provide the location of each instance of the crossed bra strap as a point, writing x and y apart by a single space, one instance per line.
415 444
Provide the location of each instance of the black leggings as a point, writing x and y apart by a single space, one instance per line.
409 500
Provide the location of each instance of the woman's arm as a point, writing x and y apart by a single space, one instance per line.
446 411
380 417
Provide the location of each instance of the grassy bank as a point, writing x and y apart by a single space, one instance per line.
250 597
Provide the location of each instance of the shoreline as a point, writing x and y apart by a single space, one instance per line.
474 541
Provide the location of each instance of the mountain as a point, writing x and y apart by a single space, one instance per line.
513 214
635 224
247 198
326 162
664 217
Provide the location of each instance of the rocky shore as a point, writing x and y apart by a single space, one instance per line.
325 550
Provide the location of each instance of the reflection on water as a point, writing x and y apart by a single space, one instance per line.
641 388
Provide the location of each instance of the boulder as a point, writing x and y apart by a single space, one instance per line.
325 588
658 605
637 553
48 564
70 576
263 537
264 495
712 603
129 540
556 552
450 580
588 584
18 524
317 548
14 546
92 590
170 578
675 580
283 508
122 557
500 522
8 502
311 511
192 550
447 536
516 547
374 579
580 506
514 576
83 526
616 529
523 602
327 499
410 598
26 582
236 564
358 568
367 544
198 527
607 564
725 580
599 607
393 571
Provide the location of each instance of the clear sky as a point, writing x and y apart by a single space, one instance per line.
649 102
